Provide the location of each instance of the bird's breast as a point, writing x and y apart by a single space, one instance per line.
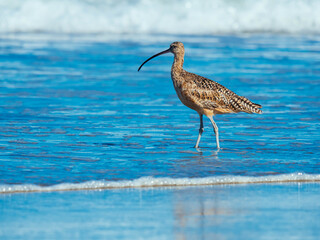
184 94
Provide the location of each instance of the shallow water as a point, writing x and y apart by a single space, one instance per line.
254 211
74 110
76 115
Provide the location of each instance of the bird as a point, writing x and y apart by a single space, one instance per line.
203 95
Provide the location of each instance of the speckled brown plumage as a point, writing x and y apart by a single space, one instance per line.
203 95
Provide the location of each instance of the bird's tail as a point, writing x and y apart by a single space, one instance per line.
247 106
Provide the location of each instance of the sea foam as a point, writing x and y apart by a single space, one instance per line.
162 182
158 16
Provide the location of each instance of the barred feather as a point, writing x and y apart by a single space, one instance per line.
211 95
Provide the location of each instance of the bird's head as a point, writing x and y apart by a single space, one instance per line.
176 48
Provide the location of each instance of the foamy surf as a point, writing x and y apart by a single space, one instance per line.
170 17
162 182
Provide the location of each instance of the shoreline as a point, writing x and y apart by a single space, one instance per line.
151 182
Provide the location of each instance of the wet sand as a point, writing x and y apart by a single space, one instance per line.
242 211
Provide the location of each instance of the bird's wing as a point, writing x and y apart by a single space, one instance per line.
214 96
209 93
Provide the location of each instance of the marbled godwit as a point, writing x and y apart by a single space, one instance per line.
202 94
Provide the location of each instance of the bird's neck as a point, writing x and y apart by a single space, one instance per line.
176 72
177 63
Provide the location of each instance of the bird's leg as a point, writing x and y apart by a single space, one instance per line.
216 131
200 130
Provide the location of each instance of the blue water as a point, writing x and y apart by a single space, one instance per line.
254 211
76 115
76 109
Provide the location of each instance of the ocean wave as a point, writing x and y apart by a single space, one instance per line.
159 16
162 182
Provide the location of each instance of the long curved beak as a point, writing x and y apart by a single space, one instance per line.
156 55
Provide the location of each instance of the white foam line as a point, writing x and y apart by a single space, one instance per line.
162 182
